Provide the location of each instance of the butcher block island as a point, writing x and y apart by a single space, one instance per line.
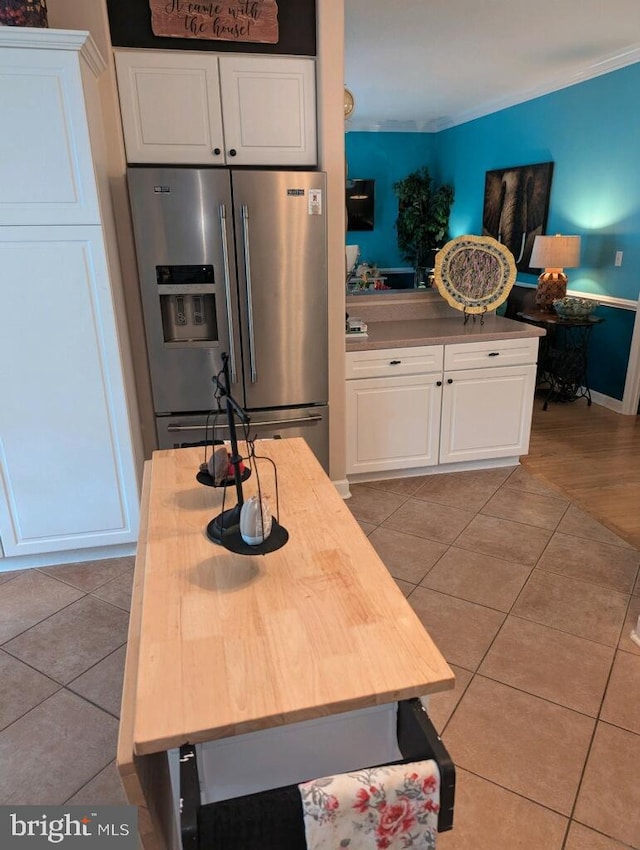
313 642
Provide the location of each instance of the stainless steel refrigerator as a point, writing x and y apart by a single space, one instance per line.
235 262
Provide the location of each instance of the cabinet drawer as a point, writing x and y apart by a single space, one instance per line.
395 361
503 352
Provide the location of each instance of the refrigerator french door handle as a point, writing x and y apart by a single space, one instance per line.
222 211
247 271
296 420
174 429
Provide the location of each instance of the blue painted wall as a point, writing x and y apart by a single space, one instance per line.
592 135
386 158
591 132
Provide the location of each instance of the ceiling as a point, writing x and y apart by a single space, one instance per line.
424 65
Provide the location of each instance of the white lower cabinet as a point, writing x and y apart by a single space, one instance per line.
486 413
393 423
412 410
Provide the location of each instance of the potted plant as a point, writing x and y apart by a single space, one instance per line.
423 220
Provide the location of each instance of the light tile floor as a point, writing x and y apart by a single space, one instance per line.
63 633
531 601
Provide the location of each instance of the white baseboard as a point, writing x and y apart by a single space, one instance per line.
440 469
606 401
342 487
26 562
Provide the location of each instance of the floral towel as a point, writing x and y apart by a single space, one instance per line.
384 808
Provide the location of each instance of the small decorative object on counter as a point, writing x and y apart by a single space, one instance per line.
356 327
574 308
255 521
23 13
366 278
218 465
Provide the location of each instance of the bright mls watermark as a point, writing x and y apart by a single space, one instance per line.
68 827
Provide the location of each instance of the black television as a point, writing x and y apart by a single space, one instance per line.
360 204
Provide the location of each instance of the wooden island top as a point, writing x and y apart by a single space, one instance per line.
229 644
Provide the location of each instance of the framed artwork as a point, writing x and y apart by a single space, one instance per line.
516 204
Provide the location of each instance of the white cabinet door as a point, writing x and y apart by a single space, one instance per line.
67 478
269 109
46 171
486 413
392 423
170 105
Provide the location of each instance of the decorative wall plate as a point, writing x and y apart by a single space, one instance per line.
474 273
349 102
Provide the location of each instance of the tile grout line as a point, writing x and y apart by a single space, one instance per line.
84 785
43 571
3 645
59 611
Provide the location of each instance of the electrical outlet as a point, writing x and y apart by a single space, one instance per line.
618 260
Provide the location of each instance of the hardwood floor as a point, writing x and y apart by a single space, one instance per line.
593 455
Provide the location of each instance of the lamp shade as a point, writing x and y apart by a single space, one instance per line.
555 252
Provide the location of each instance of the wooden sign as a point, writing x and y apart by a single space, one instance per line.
243 20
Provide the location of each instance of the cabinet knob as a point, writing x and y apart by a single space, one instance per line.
449 380
438 383
217 151
395 362
233 152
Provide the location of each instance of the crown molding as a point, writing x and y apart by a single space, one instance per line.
604 65
44 38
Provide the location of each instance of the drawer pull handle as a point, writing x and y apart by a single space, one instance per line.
449 380
395 362
494 353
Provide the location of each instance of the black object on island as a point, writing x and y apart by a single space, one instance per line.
224 529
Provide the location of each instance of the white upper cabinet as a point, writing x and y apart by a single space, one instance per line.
46 169
186 107
170 105
269 110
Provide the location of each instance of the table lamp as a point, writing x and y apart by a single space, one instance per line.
553 254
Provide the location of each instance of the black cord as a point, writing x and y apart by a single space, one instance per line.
216 411
210 438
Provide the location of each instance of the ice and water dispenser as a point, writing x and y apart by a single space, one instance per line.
187 304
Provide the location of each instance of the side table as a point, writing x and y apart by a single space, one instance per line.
562 364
